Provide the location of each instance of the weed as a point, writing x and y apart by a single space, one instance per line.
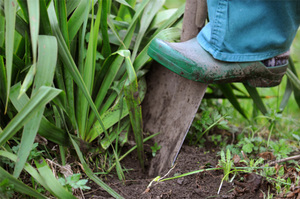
154 149
34 153
249 145
226 163
208 118
281 149
74 182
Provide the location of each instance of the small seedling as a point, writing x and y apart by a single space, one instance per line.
154 149
74 182
226 163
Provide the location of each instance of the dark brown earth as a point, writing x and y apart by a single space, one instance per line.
200 185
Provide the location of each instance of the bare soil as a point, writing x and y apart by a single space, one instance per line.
200 185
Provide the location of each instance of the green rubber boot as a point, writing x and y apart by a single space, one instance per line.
188 59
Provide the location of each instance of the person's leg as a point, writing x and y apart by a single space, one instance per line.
249 30
239 36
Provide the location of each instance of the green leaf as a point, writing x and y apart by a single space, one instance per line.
286 96
35 104
228 92
256 99
2 31
47 129
3 80
51 181
134 106
90 173
78 18
88 74
248 148
34 21
10 7
18 185
295 77
149 12
123 2
47 51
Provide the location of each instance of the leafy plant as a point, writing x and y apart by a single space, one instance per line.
281 149
154 149
34 153
207 119
226 163
253 144
73 72
74 182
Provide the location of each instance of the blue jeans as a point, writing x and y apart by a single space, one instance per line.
249 30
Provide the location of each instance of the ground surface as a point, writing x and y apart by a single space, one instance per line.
201 185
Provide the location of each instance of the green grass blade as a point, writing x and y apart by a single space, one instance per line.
72 5
104 29
228 92
47 51
134 107
47 129
106 142
89 73
78 18
28 80
18 63
115 66
38 101
18 185
149 12
69 62
47 61
2 31
256 99
108 80
295 77
58 190
32 171
45 28
24 7
61 12
286 96
3 80
34 22
125 3
109 118
90 173
169 34
21 26
10 7
142 58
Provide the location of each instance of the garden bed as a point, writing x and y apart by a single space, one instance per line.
200 185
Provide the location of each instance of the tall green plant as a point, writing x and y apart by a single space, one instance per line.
64 76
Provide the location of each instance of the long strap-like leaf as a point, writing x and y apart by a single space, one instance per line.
44 77
10 7
43 96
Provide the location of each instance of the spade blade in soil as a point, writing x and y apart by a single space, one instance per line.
172 101
169 107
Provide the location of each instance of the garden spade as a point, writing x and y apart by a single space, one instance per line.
172 101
